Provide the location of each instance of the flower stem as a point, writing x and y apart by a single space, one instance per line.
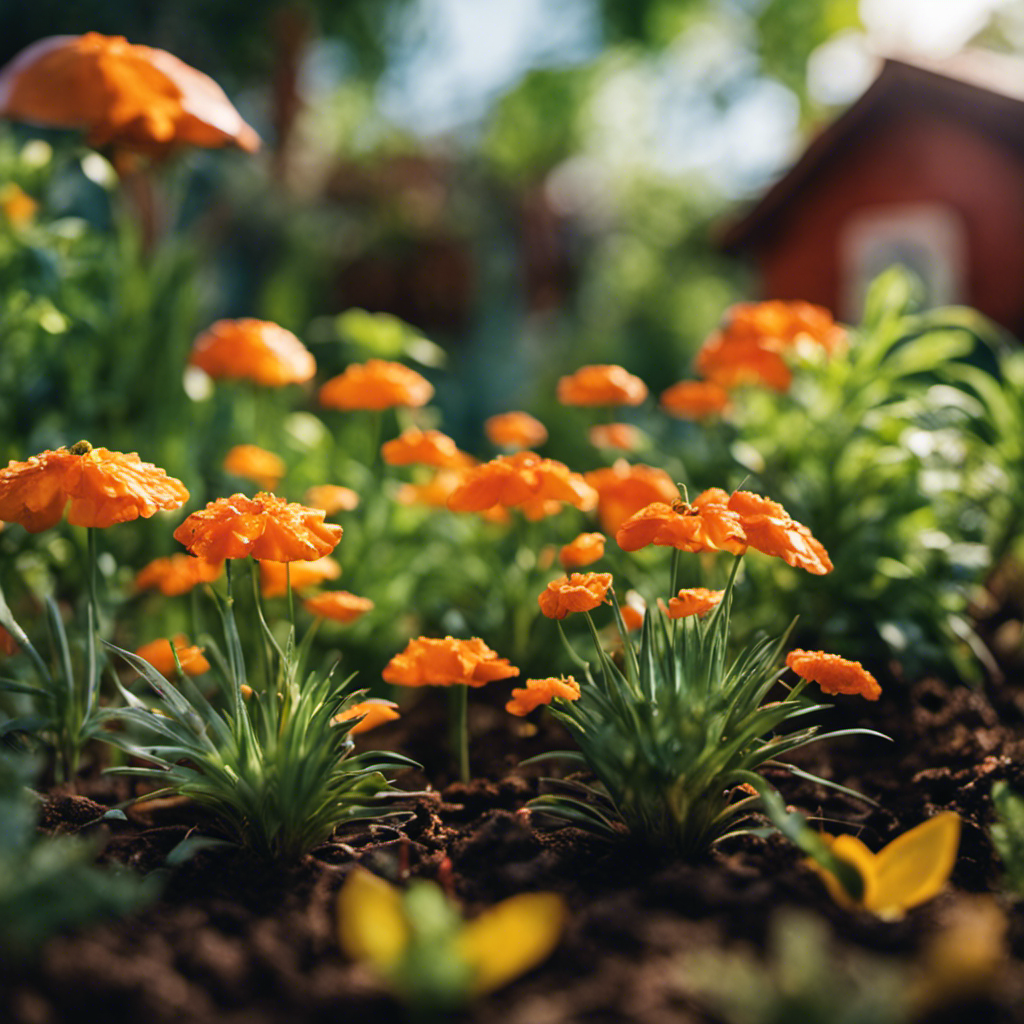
261 640
458 696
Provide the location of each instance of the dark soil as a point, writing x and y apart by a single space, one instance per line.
235 941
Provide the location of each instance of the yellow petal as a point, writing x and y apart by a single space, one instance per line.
914 866
510 938
371 924
856 854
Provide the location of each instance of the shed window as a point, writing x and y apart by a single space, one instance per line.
928 239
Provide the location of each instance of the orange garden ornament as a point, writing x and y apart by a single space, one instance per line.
130 97
253 350
102 487
263 526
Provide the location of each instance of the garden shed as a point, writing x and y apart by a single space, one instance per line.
926 168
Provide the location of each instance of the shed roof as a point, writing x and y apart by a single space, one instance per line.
982 88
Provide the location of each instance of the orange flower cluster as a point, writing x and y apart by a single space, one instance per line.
159 654
176 574
834 674
103 488
375 711
542 691
339 605
583 550
694 399
601 385
579 592
426 448
515 430
520 479
264 526
251 462
332 498
255 350
694 601
438 489
447 662
376 384
17 205
131 97
748 349
717 521
623 489
274 576
623 436
780 325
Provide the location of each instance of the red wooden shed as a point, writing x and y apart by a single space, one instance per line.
925 169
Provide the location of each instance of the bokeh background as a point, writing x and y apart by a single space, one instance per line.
532 183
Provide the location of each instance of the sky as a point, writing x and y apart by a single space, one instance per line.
458 55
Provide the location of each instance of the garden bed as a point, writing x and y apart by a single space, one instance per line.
235 940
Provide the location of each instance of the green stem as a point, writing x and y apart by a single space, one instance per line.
261 640
458 696
94 599
291 596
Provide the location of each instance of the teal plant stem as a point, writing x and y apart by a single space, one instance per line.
261 640
458 696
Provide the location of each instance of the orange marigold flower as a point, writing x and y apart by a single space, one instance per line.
632 618
515 430
263 526
274 576
251 462
375 711
447 662
579 592
255 350
542 691
732 362
623 436
583 550
132 97
694 601
694 399
17 206
511 480
682 526
778 324
623 489
601 385
176 574
158 653
376 384
424 447
834 674
339 605
332 498
770 530
438 489
103 487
